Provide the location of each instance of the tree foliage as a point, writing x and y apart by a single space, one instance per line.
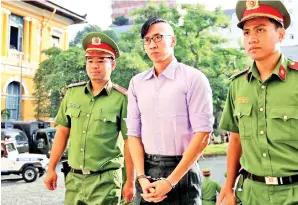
77 41
120 21
54 74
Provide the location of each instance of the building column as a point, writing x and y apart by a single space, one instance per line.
66 40
26 38
5 31
34 46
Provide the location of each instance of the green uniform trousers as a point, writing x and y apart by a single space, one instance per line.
94 189
258 193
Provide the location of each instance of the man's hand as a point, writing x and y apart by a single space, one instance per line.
147 190
51 180
230 198
161 188
128 192
222 195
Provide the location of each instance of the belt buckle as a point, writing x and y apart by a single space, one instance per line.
85 171
271 180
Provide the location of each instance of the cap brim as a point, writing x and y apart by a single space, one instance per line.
97 52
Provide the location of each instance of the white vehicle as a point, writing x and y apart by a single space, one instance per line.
30 166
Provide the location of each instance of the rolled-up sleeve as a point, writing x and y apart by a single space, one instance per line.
200 107
228 121
133 113
61 118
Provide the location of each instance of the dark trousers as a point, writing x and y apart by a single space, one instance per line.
186 192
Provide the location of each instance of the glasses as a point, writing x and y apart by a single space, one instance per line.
156 39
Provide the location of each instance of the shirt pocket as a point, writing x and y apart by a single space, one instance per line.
243 114
106 123
74 115
282 123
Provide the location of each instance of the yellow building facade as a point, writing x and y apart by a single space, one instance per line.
28 28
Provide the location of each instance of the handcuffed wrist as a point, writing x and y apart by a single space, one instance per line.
143 176
172 185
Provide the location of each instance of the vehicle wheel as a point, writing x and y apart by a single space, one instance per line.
29 174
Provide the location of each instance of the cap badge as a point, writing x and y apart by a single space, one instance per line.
252 4
96 41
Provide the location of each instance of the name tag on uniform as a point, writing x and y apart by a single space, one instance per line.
242 100
72 105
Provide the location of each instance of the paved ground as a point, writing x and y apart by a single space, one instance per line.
15 191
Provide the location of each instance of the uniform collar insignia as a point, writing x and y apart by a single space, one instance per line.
293 65
252 4
96 41
282 72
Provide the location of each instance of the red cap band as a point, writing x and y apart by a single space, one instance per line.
263 10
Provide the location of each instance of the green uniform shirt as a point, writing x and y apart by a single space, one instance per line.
265 114
94 122
209 189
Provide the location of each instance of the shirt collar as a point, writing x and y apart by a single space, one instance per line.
169 72
106 89
280 70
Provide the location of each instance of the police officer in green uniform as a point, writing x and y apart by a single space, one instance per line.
91 116
209 189
261 110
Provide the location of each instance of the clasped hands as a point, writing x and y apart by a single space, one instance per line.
154 191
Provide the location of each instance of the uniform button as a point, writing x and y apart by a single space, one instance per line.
105 120
92 99
264 155
261 132
263 87
88 115
81 166
84 131
261 109
82 149
285 117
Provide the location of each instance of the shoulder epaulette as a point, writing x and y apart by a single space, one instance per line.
76 84
293 65
239 73
120 89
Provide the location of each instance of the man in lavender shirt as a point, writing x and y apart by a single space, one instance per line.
169 121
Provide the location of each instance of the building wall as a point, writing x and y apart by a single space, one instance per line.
39 27
125 7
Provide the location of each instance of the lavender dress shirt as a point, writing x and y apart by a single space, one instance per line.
167 110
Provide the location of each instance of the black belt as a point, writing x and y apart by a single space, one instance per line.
88 172
273 180
155 157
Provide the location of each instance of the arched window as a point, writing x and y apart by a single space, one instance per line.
13 100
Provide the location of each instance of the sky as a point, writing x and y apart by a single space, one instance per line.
99 11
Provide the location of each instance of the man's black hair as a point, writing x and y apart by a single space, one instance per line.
149 23
276 23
